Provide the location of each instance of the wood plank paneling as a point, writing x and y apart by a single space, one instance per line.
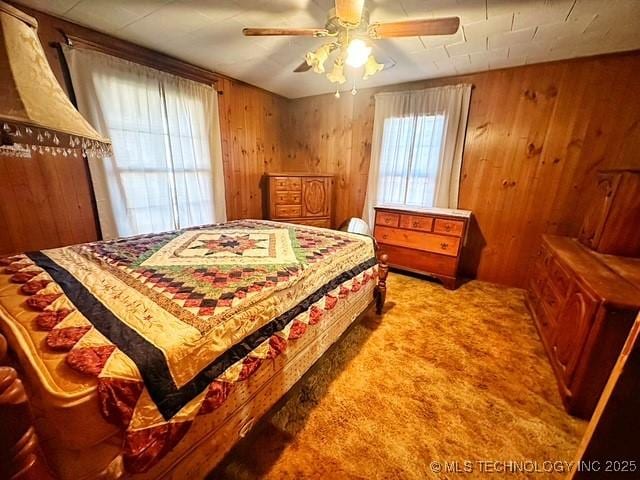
326 144
535 137
45 202
253 124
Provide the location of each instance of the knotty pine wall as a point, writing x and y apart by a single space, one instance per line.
536 136
48 201
45 202
252 124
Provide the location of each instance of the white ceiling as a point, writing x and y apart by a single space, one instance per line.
494 34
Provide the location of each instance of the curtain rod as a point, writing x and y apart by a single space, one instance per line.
148 58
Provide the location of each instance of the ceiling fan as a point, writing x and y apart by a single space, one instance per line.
352 36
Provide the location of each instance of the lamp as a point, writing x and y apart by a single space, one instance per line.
34 109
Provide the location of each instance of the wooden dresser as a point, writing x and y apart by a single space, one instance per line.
426 240
305 198
584 304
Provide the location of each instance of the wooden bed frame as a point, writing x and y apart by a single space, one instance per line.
21 457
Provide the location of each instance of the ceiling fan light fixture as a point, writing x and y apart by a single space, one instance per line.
352 35
357 53
372 67
337 74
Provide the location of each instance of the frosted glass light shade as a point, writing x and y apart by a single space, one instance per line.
337 74
371 67
357 53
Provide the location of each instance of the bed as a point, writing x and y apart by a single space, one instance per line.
150 356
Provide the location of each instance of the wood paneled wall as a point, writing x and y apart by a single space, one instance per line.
252 122
535 137
45 201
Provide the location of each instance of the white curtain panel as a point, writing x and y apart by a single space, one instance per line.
166 172
417 145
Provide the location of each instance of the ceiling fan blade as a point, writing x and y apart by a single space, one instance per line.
303 32
303 67
349 12
389 63
415 28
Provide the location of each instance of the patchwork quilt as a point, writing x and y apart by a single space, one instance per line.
169 322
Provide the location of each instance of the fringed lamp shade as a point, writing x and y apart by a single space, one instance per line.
34 110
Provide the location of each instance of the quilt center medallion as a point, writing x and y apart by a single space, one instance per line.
223 247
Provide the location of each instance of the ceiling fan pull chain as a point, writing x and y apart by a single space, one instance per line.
353 90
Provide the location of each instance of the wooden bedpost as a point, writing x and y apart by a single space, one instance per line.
20 454
381 288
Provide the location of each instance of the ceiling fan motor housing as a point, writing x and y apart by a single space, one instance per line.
334 24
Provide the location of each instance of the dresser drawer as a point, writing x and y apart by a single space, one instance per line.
418 240
559 278
537 279
449 227
418 261
545 258
287 183
288 211
287 198
387 218
416 222
551 302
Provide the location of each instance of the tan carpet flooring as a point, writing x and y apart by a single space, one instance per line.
441 376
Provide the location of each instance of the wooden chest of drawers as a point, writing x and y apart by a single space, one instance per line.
304 198
427 241
583 304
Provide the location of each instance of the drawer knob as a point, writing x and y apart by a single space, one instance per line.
384 236
444 245
416 224
447 226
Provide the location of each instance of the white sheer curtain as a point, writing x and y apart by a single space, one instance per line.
166 172
416 151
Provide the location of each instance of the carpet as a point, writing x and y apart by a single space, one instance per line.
442 376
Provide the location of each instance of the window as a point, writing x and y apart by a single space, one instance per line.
410 159
416 148
166 172
162 165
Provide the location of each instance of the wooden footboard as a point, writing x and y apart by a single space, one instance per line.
21 457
